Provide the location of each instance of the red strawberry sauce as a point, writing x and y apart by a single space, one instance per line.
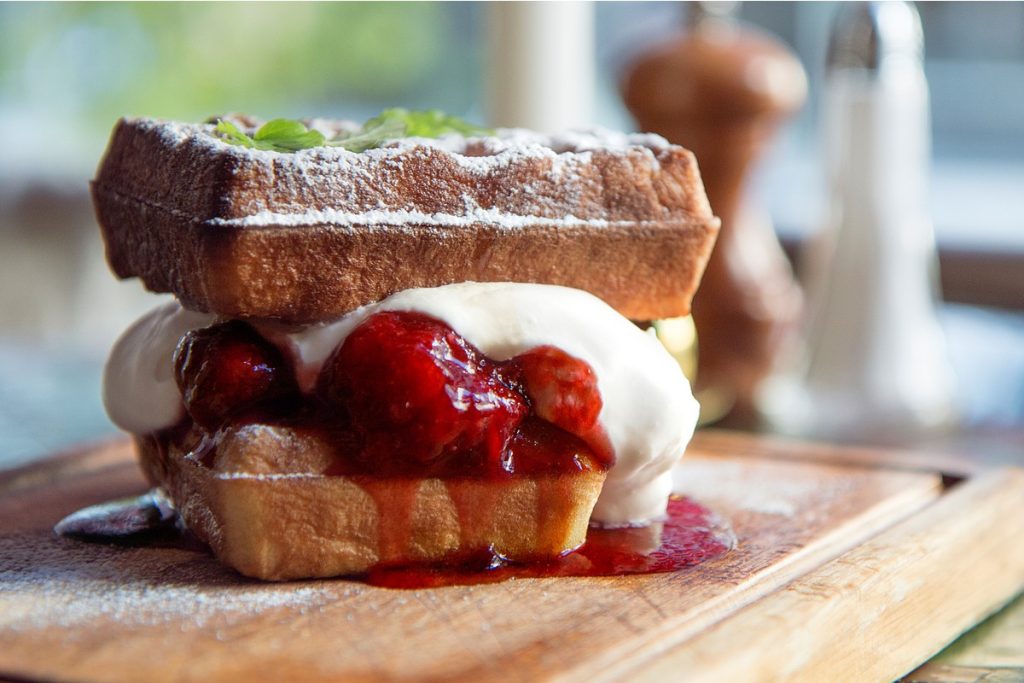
690 535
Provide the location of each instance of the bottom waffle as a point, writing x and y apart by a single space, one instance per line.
265 508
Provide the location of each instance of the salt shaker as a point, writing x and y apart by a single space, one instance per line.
873 362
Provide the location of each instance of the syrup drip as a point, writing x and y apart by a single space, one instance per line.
395 501
691 534
474 505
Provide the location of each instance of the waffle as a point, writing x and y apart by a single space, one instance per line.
311 235
266 508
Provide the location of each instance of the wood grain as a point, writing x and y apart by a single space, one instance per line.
737 443
78 611
876 611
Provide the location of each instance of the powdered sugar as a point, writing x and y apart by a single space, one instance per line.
64 584
506 143
728 483
474 215
513 179
265 476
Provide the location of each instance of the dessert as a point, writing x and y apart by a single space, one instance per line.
412 353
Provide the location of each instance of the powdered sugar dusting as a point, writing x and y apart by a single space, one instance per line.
732 484
473 216
65 584
504 144
513 179
266 476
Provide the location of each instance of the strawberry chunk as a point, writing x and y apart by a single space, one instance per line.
562 390
227 369
420 395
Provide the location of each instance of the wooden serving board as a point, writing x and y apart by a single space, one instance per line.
850 566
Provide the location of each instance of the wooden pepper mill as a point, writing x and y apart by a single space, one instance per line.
721 90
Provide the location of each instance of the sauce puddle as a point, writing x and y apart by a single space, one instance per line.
690 535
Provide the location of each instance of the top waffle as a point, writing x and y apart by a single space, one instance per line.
310 235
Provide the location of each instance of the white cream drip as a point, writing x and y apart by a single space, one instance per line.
648 415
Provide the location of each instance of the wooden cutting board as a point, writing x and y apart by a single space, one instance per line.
851 565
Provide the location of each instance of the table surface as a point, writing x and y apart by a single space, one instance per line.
992 652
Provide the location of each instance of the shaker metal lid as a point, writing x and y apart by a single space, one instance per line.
866 35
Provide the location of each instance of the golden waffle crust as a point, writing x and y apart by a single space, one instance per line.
266 509
311 235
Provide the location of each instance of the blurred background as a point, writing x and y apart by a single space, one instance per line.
67 71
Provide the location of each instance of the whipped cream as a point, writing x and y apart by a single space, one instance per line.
139 390
648 414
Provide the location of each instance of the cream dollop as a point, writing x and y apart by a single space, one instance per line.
139 390
648 414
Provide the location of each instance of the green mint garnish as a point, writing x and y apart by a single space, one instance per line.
431 123
286 135
369 136
279 135
231 134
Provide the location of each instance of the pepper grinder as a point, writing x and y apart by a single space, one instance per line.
721 90
873 364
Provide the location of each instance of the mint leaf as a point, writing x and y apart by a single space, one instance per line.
430 123
280 128
232 135
369 136
285 135
279 135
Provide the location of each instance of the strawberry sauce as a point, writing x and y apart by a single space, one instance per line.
691 534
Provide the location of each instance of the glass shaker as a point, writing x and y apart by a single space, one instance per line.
872 364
